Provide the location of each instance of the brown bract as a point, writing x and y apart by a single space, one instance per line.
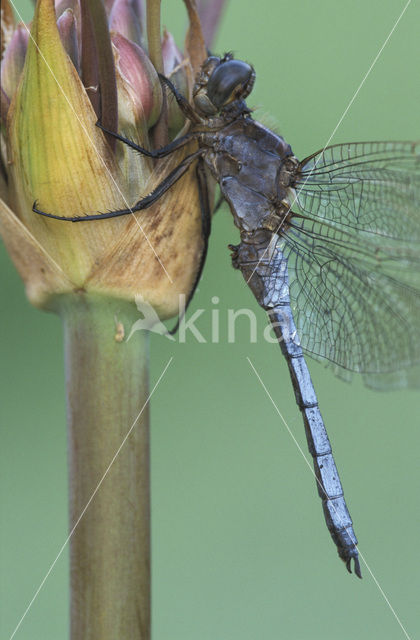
7 25
57 156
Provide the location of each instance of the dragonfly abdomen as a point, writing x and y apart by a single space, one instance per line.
329 487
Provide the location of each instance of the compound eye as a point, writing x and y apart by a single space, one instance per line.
210 64
230 80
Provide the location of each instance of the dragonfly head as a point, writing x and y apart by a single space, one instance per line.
221 82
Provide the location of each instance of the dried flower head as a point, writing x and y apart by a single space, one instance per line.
55 84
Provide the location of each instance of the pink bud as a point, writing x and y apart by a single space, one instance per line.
141 78
62 5
171 55
108 6
67 28
127 17
13 60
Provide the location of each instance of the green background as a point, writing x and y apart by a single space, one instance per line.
240 549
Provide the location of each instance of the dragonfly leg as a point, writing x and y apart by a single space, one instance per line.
182 102
203 193
157 153
219 202
144 203
234 248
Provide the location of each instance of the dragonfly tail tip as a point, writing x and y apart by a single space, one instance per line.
357 569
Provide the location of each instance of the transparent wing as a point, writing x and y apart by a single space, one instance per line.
354 260
357 306
371 187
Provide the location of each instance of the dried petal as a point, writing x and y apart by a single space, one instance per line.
38 270
58 156
165 265
141 78
210 12
67 27
7 24
13 60
194 41
107 80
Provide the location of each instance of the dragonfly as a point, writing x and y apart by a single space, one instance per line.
329 246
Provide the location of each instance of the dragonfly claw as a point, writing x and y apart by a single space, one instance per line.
234 248
357 569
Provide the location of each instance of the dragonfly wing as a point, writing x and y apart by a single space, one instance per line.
358 308
369 187
354 260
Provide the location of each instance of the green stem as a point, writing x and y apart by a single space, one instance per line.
160 130
153 34
107 389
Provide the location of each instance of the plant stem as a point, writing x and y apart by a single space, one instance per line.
107 389
160 130
153 34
